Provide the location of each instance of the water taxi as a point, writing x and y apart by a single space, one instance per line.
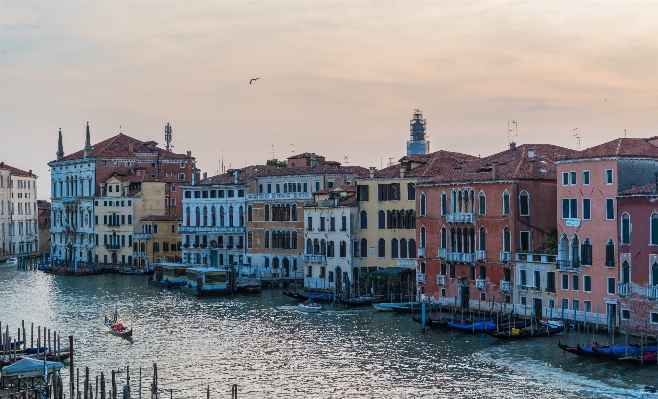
206 281
12 262
170 275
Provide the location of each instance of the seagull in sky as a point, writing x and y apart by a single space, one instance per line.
252 80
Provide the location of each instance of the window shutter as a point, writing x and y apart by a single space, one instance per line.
654 230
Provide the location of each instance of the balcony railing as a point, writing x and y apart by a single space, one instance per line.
274 196
440 279
624 289
142 236
421 252
534 258
505 285
420 278
460 217
209 229
315 258
652 291
112 247
481 284
505 256
481 254
442 253
570 265
460 257
550 290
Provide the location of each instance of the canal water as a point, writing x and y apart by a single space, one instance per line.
263 344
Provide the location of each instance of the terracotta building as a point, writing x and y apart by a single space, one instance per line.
475 218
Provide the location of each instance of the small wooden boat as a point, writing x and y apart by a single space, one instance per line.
388 306
430 322
360 301
309 307
516 333
118 329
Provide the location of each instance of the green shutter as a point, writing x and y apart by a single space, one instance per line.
625 230
654 230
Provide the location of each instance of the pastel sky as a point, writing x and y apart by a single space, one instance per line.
338 78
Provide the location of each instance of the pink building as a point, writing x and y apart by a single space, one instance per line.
589 252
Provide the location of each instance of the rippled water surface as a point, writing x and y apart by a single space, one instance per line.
269 349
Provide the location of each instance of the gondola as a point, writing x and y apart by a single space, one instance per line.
514 334
321 297
481 326
647 358
118 329
430 322
571 349
357 302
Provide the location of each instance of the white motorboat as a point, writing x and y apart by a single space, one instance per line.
309 307
12 262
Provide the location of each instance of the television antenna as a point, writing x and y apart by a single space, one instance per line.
511 122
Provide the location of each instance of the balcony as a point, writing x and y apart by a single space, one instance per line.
442 253
315 258
440 279
505 256
275 196
139 254
505 285
535 289
112 247
209 229
460 257
481 255
421 252
460 217
143 236
652 291
420 278
481 284
534 258
568 265
624 289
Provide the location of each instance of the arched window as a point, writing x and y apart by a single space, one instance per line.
267 239
482 204
381 219
506 239
213 216
586 252
364 248
156 246
422 204
316 247
230 216
197 219
221 216
267 213
403 248
524 203
444 204
293 240
506 203
394 248
364 220
309 247
625 273
250 213
241 216
250 239
575 251
483 239
654 228
293 212
165 246
422 237
412 248
444 238
323 247
610 253
381 248
205 216
411 219
625 229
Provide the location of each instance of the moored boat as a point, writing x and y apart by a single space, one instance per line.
360 301
388 306
309 307
206 281
318 297
523 333
13 261
170 275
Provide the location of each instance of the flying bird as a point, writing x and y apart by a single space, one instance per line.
252 80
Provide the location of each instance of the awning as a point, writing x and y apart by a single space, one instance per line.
389 271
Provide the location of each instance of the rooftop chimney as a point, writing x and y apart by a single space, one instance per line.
189 153
534 168
60 148
372 172
402 172
88 147
236 176
130 147
205 175
512 145
494 171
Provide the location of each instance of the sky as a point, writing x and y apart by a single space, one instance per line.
338 78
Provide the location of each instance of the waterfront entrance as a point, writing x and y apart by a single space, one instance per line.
465 294
538 307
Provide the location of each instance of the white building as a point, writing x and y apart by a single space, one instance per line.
19 227
330 227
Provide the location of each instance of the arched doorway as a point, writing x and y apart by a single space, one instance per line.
114 257
464 292
275 266
286 267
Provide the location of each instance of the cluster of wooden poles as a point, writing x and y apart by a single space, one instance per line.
11 347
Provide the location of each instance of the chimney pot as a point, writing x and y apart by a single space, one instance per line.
531 152
402 172
534 168
189 153
494 171
130 147
512 145
372 172
205 175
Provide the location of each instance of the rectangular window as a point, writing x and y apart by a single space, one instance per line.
305 187
572 178
608 176
506 204
525 241
575 282
609 208
611 286
587 306
565 208
587 283
550 281
576 304
130 219
654 318
565 282
382 192
537 276
585 177
411 191
625 230
523 278
361 192
317 186
565 178
565 303
394 191
625 314
587 209
452 270
574 208
343 223
524 205
269 188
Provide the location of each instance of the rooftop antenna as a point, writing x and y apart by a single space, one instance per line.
168 136
272 152
512 122
292 148
624 133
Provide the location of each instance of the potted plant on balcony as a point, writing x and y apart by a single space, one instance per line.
229 246
203 245
238 246
186 245
195 245
220 245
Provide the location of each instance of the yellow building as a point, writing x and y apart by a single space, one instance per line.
158 240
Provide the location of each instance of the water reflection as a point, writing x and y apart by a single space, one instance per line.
270 349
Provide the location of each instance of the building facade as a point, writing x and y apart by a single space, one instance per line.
19 231
158 240
43 208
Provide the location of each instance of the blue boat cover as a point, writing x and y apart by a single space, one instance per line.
29 365
486 326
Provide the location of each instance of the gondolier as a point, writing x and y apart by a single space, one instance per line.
116 315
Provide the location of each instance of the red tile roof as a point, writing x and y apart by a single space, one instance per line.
621 147
118 147
433 164
16 171
161 218
250 173
345 187
646 189
304 155
513 164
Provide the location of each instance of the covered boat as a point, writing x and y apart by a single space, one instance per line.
170 275
29 367
359 301
522 333
207 281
